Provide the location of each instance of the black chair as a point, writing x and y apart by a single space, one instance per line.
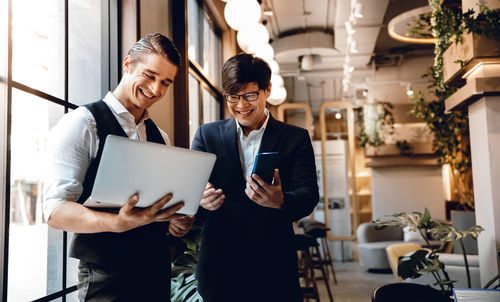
304 244
325 258
408 292
319 230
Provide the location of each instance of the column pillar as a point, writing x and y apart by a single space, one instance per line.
484 123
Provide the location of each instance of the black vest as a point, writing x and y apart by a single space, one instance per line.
141 246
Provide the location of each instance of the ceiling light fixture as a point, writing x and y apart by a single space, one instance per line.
354 47
306 62
358 11
278 95
409 90
252 34
264 51
240 13
350 29
275 67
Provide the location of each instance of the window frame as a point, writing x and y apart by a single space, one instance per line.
110 17
197 70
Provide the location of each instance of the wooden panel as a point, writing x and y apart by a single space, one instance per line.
392 149
472 91
472 48
181 92
402 161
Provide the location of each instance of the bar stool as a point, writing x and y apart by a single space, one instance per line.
305 244
319 232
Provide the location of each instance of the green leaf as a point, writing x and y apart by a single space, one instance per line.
409 266
425 218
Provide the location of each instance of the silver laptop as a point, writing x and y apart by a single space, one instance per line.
151 170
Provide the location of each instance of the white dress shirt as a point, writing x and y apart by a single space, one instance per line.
249 145
73 143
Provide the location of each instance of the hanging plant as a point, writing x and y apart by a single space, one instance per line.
448 26
451 129
451 137
420 27
375 121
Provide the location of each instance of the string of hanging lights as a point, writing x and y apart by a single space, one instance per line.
351 45
252 37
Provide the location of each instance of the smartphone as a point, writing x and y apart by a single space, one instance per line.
264 165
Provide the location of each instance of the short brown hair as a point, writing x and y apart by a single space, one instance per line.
158 44
242 69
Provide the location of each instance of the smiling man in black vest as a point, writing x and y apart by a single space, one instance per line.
124 255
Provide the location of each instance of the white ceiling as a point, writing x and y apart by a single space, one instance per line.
299 27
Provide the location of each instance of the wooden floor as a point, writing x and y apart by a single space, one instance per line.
354 284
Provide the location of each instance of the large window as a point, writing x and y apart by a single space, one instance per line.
60 59
205 60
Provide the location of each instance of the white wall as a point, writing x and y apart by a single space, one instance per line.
402 189
384 86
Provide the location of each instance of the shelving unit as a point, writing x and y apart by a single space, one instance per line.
363 186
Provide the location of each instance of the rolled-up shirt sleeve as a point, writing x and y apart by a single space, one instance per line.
70 149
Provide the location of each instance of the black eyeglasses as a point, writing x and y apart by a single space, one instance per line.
235 98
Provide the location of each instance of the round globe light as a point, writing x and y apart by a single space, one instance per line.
277 96
239 13
277 80
252 34
275 68
264 51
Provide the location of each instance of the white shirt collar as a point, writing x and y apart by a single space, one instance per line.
240 132
115 105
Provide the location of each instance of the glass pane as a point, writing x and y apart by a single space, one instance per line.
207 45
210 107
72 266
35 251
87 61
72 297
212 51
38 45
194 47
217 60
194 106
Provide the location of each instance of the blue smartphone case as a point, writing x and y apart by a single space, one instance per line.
264 165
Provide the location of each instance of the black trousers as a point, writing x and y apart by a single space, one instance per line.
130 284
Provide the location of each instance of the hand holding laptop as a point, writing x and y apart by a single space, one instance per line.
130 216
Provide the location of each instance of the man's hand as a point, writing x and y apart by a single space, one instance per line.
130 217
212 199
181 225
266 195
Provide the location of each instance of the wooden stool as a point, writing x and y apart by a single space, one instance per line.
304 244
319 232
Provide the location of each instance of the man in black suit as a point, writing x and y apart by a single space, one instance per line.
248 251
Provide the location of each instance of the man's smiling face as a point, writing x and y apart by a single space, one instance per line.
250 115
148 80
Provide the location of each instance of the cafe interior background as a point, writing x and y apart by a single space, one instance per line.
401 99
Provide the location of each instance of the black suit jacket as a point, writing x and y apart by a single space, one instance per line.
247 251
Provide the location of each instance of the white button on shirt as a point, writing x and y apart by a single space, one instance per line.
72 145
249 145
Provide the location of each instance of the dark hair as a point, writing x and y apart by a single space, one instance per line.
242 69
158 44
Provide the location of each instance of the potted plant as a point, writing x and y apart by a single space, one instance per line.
183 283
427 260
